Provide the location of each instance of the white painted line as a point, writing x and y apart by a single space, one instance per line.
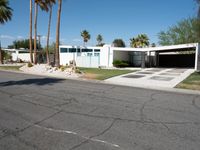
74 133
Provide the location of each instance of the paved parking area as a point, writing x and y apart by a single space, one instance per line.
153 77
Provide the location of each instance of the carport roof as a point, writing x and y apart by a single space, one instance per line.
159 48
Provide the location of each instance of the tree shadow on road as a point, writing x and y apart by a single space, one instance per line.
37 81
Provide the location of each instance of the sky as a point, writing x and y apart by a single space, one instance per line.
111 18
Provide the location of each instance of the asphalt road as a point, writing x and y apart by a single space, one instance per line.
41 113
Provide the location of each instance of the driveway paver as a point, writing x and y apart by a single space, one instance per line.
152 77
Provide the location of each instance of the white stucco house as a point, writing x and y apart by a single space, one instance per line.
150 56
19 54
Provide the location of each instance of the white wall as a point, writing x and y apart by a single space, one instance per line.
104 56
66 57
197 58
23 56
87 61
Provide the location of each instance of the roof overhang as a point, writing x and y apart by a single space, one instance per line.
171 48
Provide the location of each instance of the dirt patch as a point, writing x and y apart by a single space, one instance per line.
189 86
90 76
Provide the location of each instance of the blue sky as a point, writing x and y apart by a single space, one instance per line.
110 18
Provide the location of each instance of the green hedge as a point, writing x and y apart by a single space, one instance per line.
120 63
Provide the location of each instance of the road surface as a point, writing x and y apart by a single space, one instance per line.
41 113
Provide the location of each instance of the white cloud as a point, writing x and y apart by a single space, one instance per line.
62 39
76 40
44 38
20 37
8 37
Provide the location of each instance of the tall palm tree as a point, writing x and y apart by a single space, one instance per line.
198 3
86 36
5 15
30 33
43 6
50 5
57 58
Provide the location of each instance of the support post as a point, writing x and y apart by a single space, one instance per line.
197 58
143 60
157 59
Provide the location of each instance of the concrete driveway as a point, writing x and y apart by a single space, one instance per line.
152 77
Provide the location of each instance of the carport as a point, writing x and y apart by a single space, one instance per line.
174 56
184 56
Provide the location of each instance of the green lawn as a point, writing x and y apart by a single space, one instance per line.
13 68
192 82
102 74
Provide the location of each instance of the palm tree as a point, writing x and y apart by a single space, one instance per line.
43 6
198 3
144 40
141 40
5 15
99 40
134 42
30 33
50 5
5 11
57 58
86 36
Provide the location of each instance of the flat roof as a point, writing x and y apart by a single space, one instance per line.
159 48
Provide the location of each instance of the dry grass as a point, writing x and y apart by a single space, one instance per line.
192 82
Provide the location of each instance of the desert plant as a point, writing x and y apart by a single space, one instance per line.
78 71
30 64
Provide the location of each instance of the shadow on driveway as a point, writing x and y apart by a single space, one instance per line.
40 82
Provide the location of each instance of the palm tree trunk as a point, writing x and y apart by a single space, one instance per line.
1 56
57 59
35 34
30 39
48 34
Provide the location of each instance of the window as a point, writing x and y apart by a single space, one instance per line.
63 50
72 50
87 50
96 54
89 54
78 50
23 52
97 50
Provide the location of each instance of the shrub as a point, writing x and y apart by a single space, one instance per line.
29 64
77 71
62 68
119 63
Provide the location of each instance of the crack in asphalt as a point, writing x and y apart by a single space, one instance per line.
31 125
108 117
142 119
93 138
142 115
